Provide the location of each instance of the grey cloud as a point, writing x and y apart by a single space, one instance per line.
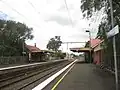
60 20
62 8
79 36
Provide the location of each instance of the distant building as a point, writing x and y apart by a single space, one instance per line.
98 53
89 52
89 56
35 54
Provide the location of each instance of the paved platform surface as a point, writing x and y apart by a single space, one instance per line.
85 77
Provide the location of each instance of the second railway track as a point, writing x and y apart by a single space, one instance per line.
24 80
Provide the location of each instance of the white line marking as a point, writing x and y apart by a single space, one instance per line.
47 81
20 66
56 84
6 68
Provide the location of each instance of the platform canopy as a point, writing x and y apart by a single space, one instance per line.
80 49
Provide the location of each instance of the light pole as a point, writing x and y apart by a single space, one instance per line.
114 45
23 47
90 45
67 51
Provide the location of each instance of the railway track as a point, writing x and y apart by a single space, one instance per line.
23 80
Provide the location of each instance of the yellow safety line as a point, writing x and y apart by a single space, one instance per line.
53 88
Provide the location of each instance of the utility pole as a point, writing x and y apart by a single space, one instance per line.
114 46
90 45
70 43
23 44
67 52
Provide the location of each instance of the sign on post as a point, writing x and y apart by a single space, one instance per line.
113 32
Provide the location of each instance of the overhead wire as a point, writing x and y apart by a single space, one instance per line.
17 12
33 6
96 18
13 9
38 12
68 12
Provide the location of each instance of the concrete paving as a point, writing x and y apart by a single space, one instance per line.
85 77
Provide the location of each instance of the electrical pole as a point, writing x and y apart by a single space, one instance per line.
67 52
23 48
114 46
70 43
90 45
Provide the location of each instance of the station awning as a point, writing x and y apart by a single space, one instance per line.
47 51
80 49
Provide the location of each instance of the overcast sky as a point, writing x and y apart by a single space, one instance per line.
50 18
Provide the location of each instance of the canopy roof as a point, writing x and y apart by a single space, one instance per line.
80 49
94 42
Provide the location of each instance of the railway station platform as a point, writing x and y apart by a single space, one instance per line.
83 77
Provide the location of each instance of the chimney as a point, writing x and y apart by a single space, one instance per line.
35 45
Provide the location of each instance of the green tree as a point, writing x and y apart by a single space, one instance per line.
54 43
90 6
12 36
102 31
60 54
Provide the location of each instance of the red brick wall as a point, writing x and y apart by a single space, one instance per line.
97 58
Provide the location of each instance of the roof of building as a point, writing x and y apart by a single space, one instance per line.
80 49
98 43
95 42
48 51
33 48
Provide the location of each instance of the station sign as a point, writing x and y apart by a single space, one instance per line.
113 32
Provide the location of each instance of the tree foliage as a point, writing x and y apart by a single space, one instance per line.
12 35
54 43
102 31
90 6
60 54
